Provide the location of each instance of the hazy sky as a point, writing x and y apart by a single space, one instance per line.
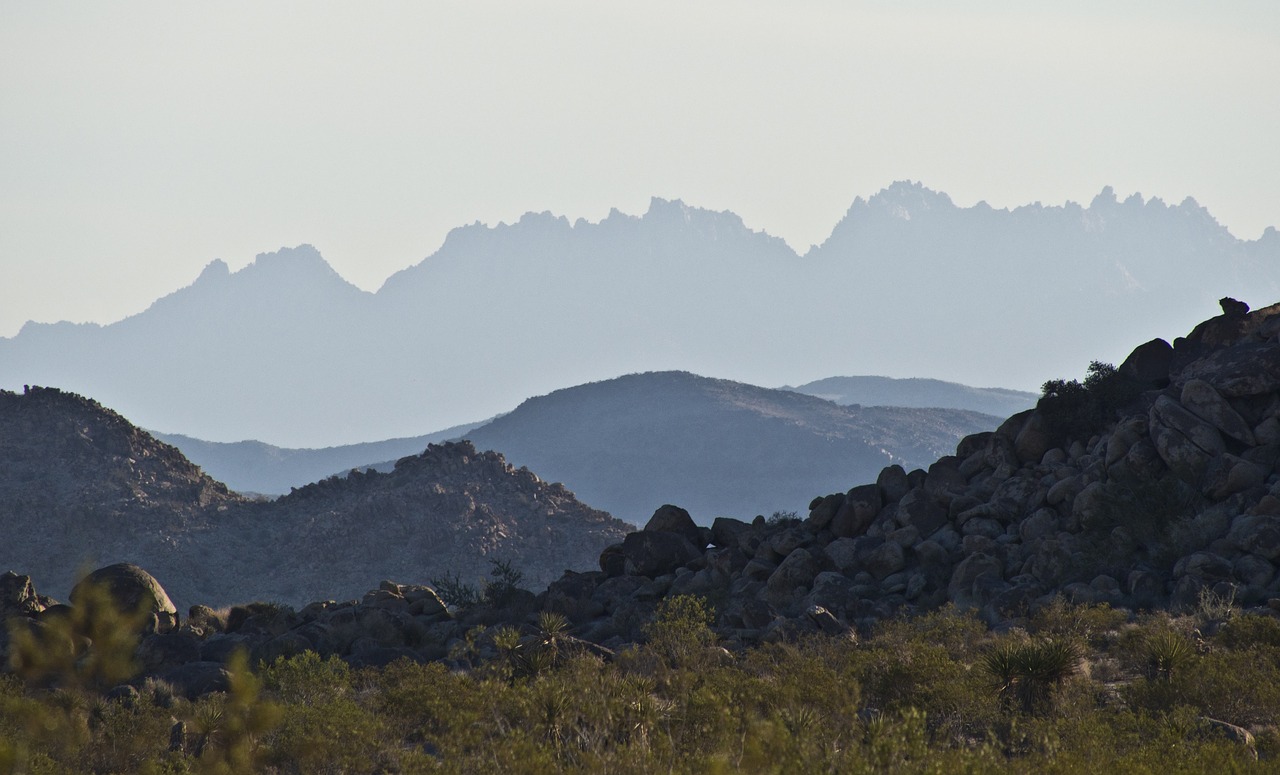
138 141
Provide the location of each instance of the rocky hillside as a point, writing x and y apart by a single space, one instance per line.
1151 485
60 452
81 487
79 484
444 512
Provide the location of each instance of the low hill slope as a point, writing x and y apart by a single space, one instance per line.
918 392
722 448
81 487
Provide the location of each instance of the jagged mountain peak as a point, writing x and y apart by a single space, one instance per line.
291 275
913 196
214 271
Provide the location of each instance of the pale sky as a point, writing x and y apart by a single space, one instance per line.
139 141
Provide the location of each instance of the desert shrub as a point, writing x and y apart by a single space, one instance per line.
680 632
495 593
272 617
229 727
307 679
1084 623
960 633
923 662
1238 686
506 580
337 734
783 519
455 592
1249 631
1168 653
1214 607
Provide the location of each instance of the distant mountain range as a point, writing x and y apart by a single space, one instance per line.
918 392
82 487
287 351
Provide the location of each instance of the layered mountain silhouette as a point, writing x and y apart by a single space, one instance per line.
286 351
717 447
918 392
81 487
255 467
624 444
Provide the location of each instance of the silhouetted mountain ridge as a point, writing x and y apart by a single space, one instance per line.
719 447
277 350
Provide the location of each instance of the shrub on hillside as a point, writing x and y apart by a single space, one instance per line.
1075 411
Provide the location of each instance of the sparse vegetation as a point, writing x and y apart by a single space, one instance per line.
783 518
499 592
914 695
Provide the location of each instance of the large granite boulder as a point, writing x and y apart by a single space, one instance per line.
132 589
655 552
673 519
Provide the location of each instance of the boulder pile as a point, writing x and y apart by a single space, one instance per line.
1174 497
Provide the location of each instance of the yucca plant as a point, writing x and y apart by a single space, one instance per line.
1168 653
1028 673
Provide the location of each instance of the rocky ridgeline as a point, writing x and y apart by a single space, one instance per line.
1174 497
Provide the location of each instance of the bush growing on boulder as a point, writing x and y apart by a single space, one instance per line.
1072 410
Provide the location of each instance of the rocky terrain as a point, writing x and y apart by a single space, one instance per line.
1153 485
81 487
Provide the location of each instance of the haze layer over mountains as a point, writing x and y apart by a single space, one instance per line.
907 284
